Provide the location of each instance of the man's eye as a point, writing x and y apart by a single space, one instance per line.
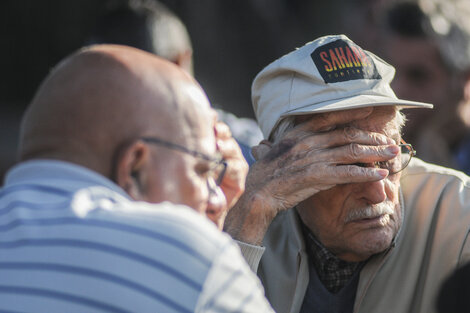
203 170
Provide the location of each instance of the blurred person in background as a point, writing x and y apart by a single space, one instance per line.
151 26
429 47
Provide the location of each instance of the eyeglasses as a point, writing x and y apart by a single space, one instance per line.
217 167
398 163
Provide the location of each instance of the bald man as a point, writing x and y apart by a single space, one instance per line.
108 126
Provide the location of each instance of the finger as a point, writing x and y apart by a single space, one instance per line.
344 174
341 137
348 154
333 175
355 153
229 148
329 120
237 166
297 185
233 182
325 159
261 150
235 174
222 130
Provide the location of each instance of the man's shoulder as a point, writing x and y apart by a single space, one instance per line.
419 170
80 204
165 222
435 194
134 255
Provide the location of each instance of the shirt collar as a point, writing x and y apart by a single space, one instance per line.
333 272
68 176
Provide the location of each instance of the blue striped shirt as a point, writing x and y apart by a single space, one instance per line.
73 241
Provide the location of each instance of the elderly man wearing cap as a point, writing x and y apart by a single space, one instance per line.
337 215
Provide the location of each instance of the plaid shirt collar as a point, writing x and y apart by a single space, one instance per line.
332 272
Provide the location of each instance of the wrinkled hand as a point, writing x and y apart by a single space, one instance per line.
312 157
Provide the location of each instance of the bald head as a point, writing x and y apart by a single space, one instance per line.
105 96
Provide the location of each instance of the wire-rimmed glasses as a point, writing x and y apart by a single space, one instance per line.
400 162
217 167
397 164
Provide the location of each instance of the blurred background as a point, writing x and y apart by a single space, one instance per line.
232 40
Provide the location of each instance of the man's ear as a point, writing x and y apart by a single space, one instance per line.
185 61
131 169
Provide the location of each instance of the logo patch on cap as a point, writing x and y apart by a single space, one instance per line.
340 61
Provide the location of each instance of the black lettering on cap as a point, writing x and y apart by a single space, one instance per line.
340 61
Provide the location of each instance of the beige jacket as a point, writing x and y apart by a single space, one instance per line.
432 242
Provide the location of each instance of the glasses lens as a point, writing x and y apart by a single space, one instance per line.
407 153
400 162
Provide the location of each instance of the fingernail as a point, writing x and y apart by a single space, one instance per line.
392 150
381 173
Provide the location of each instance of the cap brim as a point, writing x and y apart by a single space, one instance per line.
360 101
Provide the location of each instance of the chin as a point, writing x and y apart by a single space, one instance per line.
374 242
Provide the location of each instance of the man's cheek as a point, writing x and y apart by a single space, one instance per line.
392 183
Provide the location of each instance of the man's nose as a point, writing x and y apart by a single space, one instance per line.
372 192
216 205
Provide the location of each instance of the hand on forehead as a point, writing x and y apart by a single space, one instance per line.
373 119
320 121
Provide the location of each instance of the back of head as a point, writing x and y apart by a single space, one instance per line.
146 25
100 98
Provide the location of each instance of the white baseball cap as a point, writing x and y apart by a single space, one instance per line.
331 73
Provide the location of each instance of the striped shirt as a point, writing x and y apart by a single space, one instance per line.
72 241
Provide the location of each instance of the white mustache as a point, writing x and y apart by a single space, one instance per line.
371 211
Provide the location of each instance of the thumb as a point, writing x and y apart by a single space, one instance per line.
261 149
